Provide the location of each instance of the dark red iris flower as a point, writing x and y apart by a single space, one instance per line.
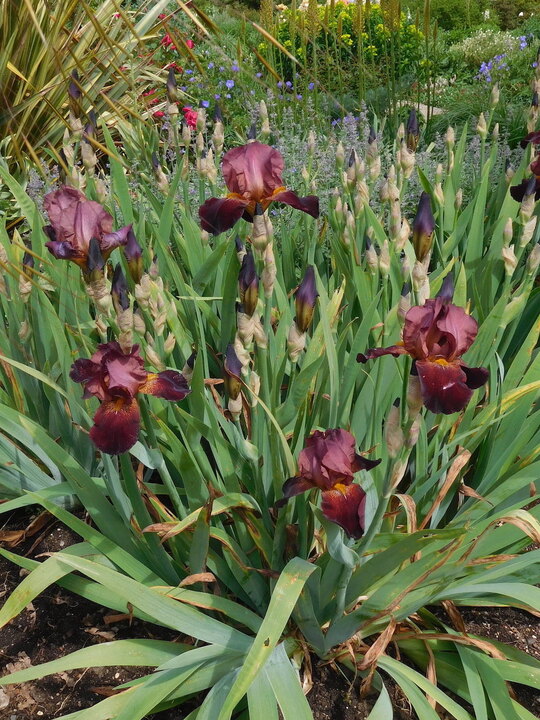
116 378
532 137
252 174
531 184
436 335
328 463
75 221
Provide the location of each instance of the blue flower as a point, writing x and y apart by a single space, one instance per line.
235 68
189 72
311 86
288 84
279 84
217 96
229 84
210 65
228 95
259 74
205 103
298 97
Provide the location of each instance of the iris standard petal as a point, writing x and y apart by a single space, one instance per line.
220 214
125 374
91 220
253 170
345 505
116 426
460 328
169 385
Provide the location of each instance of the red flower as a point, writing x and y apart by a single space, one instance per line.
116 378
75 220
530 185
158 114
168 42
190 44
252 174
436 335
190 116
328 462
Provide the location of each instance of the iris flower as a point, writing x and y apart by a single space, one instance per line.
116 378
328 463
75 221
252 174
436 335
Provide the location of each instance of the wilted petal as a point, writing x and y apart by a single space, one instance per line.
169 385
308 204
345 505
253 170
116 426
372 353
444 386
220 214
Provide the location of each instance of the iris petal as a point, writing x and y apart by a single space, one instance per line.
345 505
444 386
116 426
308 204
220 214
169 385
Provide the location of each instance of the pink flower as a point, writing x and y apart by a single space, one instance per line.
190 116
190 44
116 378
158 114
252 174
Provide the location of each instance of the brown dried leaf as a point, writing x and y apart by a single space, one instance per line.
378 647
197 577
455 468
12 538
454 615
470 492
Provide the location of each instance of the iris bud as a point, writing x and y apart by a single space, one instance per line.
248 282
423 227
412 131
119 290
305 300
233 373
133 254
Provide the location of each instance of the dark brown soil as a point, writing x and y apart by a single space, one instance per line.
59 622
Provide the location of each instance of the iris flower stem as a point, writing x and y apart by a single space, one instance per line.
341 591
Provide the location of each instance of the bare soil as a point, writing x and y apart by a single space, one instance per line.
59 622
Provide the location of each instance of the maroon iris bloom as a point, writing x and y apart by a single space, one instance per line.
252 174
328 462
116 378
436 335
532 137
75 220
530 185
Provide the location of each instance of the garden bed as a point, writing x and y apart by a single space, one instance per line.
59 622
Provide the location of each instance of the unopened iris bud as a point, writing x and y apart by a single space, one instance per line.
412 131
508 171
533 261
95 262
252 133
528 231
414 396
233 373
240 248
269 272
400 134
495 95
172 92
133 254
450 137
407 160
458 199
311 143
529 200
340 156
423 227
393 434
508 232
371 256
75 94
248 282
509 259
384 259
119 290
404 304
305 300
481 126
187 370
534 100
